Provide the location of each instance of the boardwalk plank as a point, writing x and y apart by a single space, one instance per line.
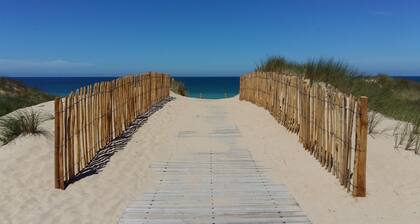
214 187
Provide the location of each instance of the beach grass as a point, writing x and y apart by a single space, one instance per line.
21 122
392 97
178 87
15 95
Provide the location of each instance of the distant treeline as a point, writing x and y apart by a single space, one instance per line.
393 97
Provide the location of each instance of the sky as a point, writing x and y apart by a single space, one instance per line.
204 37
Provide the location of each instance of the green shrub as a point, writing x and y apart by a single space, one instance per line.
21 123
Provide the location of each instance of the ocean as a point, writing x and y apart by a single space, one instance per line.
413 78
211 87
206 87
60 86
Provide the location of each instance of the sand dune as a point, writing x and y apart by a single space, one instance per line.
27 193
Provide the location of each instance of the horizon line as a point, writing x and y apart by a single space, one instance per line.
173 75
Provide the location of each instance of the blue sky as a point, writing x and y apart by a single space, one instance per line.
199 37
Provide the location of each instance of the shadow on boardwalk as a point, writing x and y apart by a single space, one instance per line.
103 156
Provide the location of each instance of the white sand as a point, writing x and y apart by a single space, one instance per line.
27 193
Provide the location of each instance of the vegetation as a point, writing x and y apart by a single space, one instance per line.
178 87
374 118
407 136
389 96
21 122
15 95
393 97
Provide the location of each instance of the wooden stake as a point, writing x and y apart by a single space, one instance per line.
58 154
359 180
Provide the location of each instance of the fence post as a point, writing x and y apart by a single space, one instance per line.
58 160
361 147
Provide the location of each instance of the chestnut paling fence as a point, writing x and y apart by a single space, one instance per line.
91 117
331 125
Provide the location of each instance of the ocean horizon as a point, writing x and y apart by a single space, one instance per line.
207 87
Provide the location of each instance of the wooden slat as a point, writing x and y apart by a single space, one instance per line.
361 147
58 154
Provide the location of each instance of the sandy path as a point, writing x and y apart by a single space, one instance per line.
214 179
26 172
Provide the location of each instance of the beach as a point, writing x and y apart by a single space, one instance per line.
27 193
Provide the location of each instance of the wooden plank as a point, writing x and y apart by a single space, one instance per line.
78 142
89 122
66 138
83 127
58 153
72 137
361 148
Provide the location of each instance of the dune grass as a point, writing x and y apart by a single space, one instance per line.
407 136
392 97
15 95
396 98
178 87
374 119
21 122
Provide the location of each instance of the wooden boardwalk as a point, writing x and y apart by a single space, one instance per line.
214 186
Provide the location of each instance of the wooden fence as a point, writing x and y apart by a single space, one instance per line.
331 125
91 117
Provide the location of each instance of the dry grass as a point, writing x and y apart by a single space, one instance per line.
21 122
407 136
178 87
374 119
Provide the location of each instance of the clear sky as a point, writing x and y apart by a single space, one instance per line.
199 37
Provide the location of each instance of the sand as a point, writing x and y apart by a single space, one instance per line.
27 193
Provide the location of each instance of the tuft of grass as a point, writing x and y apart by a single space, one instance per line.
396 134
336 73
178 87
21 123
374 119
279 64
412 142
407 136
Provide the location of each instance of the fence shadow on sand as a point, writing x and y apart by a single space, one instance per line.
104 155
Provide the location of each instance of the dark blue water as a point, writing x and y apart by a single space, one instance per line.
207 87
412 78
60 86
211 87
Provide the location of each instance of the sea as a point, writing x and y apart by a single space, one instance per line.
198 87
412 78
